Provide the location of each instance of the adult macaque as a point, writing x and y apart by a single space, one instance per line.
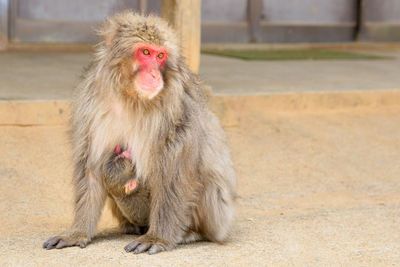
141 120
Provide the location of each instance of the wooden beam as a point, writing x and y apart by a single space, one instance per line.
185 17
4 11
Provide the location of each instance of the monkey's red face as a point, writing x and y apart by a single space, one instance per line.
149 60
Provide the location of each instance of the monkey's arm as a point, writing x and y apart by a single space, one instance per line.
89 201
88 188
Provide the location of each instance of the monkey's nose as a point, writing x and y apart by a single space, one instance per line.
154 73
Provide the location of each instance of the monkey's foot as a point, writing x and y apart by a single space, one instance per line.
147 243
79 240
130 186
126 154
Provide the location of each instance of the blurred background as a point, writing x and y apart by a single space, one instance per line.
228 21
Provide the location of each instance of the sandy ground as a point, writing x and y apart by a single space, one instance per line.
316 188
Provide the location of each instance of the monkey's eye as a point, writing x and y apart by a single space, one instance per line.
146 52
161 55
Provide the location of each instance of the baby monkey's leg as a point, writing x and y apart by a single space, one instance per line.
125 226
130 186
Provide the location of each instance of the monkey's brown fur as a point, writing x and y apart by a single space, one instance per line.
186 182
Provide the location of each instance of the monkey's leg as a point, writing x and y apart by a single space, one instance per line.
168 218
89 201
190 238
216 208
125 226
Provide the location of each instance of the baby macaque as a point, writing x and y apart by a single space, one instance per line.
119 173
144 137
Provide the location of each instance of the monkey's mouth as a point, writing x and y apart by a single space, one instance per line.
149 84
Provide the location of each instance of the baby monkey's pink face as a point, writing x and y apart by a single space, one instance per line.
149 60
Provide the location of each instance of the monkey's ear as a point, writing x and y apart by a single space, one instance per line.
107 32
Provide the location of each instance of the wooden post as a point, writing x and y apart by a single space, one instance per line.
360 17
142 7
185 17
254 8
4 8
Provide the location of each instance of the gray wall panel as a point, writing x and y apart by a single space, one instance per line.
222 20
223 10
306 33
309 11
154 7
71 10
382 11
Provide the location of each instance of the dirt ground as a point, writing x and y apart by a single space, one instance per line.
316 188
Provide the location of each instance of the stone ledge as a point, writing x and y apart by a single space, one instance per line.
230 108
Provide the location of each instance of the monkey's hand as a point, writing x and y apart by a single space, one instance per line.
76 239
149 243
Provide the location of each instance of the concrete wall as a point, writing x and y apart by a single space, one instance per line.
382 11
222 20
309 11
3 24
381 20
308 21
71 10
